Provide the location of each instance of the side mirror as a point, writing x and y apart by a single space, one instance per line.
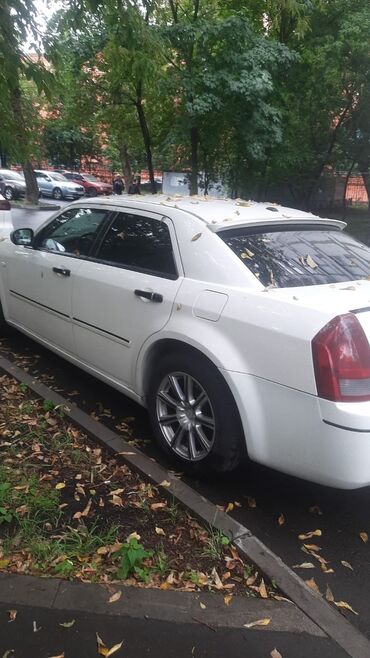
22 236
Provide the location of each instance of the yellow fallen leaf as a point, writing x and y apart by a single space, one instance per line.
12 615
312 547
229 507
312 585
3 564
164 483
281 519
329 594
160 531
259 622
263 590
347 564
228 598
202 605
68 624
103 649
346 606
275 654
308 535
60 485
364 536
304 565
115 597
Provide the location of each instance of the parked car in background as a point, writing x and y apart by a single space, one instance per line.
6 223
92 185
12 184
55 185
243 327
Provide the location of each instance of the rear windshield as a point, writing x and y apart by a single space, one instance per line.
285 258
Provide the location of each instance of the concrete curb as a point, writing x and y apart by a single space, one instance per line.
155 604
24 206
336 626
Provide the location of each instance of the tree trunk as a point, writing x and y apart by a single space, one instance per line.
126 166
194 140
32 193
349 172
147 143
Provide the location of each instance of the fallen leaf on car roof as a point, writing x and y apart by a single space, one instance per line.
12 615
308 535
196 237
364 536
346 606
310 262
347 564
258 622
312 585
115 597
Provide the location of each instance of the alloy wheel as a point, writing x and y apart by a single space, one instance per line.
185 416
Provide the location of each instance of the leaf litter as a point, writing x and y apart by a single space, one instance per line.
93 519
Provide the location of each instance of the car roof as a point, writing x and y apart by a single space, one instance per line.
220 214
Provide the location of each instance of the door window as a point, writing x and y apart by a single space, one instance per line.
139 243
72 232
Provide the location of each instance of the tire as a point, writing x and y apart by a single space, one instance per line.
91 191
5 330
9 193
213 445
57 194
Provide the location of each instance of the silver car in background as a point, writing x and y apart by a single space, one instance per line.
55 185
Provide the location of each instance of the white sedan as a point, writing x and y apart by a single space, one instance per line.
6 223
243 327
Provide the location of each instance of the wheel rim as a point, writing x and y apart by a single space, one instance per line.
8 194
57 193
185 416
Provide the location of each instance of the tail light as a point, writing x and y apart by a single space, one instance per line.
341 358
4 204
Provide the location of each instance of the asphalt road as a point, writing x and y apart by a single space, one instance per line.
264 496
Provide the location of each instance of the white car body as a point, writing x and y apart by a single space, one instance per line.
259 338
6 222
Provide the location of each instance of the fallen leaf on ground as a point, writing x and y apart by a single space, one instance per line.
103 649
8 653
155 506
60 485
160 531
364 536
229 507
346 606
12 615
115 597
35 627
312 585
3 564
281 519
68 624
315 509
263 590
164 483
60 655
228 598
304 565
347 564
308 535
259 622
329 594
252 502
202 605
275 654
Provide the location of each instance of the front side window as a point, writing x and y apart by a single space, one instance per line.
139 243
72 232
287 257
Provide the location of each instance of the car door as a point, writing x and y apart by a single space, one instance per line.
44 183
125 293
40 278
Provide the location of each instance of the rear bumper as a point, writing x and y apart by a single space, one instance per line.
303 435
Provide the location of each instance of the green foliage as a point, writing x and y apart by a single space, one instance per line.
132 556
6 513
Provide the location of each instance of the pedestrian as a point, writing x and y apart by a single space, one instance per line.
118 185
134 187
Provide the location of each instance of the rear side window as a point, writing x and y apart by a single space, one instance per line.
285 258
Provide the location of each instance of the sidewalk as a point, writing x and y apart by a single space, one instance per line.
155 623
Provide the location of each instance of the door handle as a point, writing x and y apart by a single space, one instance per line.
62 271
151 296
